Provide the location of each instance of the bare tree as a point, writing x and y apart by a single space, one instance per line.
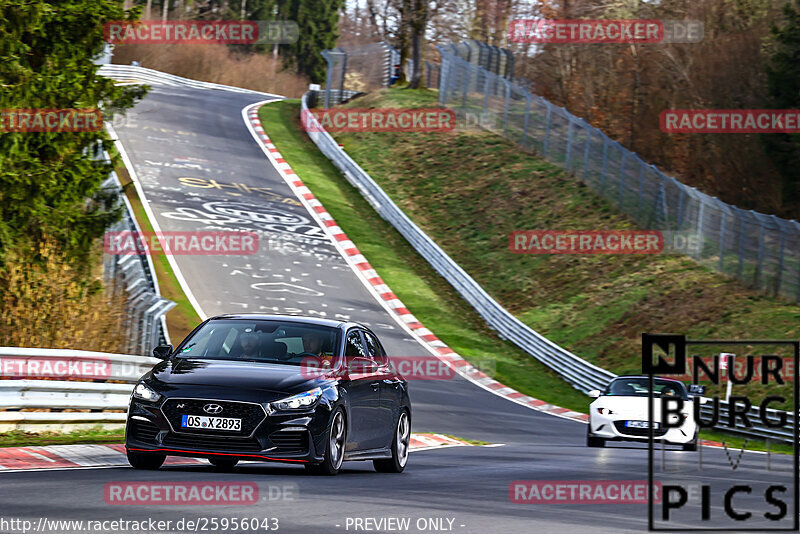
419 20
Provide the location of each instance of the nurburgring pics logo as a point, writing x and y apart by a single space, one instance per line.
30 120
730 121
181 243
379 120
743 504
201 32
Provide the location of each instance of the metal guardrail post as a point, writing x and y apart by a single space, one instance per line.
328 77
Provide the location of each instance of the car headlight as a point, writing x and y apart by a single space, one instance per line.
299 401
142 392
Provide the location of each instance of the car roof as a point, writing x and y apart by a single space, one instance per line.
304 319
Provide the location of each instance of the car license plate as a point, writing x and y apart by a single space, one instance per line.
640 424
210 423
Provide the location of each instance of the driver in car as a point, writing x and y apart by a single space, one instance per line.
249 341
313 343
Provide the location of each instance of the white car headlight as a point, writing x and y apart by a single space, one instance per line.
299 401
142 392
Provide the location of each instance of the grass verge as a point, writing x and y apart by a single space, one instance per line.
182 318
19 438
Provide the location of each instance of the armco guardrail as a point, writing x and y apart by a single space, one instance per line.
581 374
62 381
136 74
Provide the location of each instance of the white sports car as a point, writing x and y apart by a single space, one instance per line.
620 412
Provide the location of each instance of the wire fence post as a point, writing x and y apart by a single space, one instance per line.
741 244
586 152
721 267
508 102
484 114
605 162
760 264
622 176
547 128
527 119
641 186
569 143
779 274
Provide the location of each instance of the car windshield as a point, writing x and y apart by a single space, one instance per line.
272 341
637 387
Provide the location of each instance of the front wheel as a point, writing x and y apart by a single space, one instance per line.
691 446
592 441
334 450
400 445
145 460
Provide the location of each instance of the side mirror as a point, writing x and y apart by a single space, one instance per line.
162 352
594 393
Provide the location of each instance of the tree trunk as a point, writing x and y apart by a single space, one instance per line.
147 10
419 21
244 10
165 11
405 16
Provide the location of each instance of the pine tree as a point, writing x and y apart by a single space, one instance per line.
50 182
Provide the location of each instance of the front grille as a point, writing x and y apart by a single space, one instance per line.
291 441
250 414
216 443
644 432
143 430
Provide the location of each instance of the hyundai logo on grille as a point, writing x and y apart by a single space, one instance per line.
212 408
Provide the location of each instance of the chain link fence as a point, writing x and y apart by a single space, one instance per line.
358 69
762 251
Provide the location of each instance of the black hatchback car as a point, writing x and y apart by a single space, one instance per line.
277 388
